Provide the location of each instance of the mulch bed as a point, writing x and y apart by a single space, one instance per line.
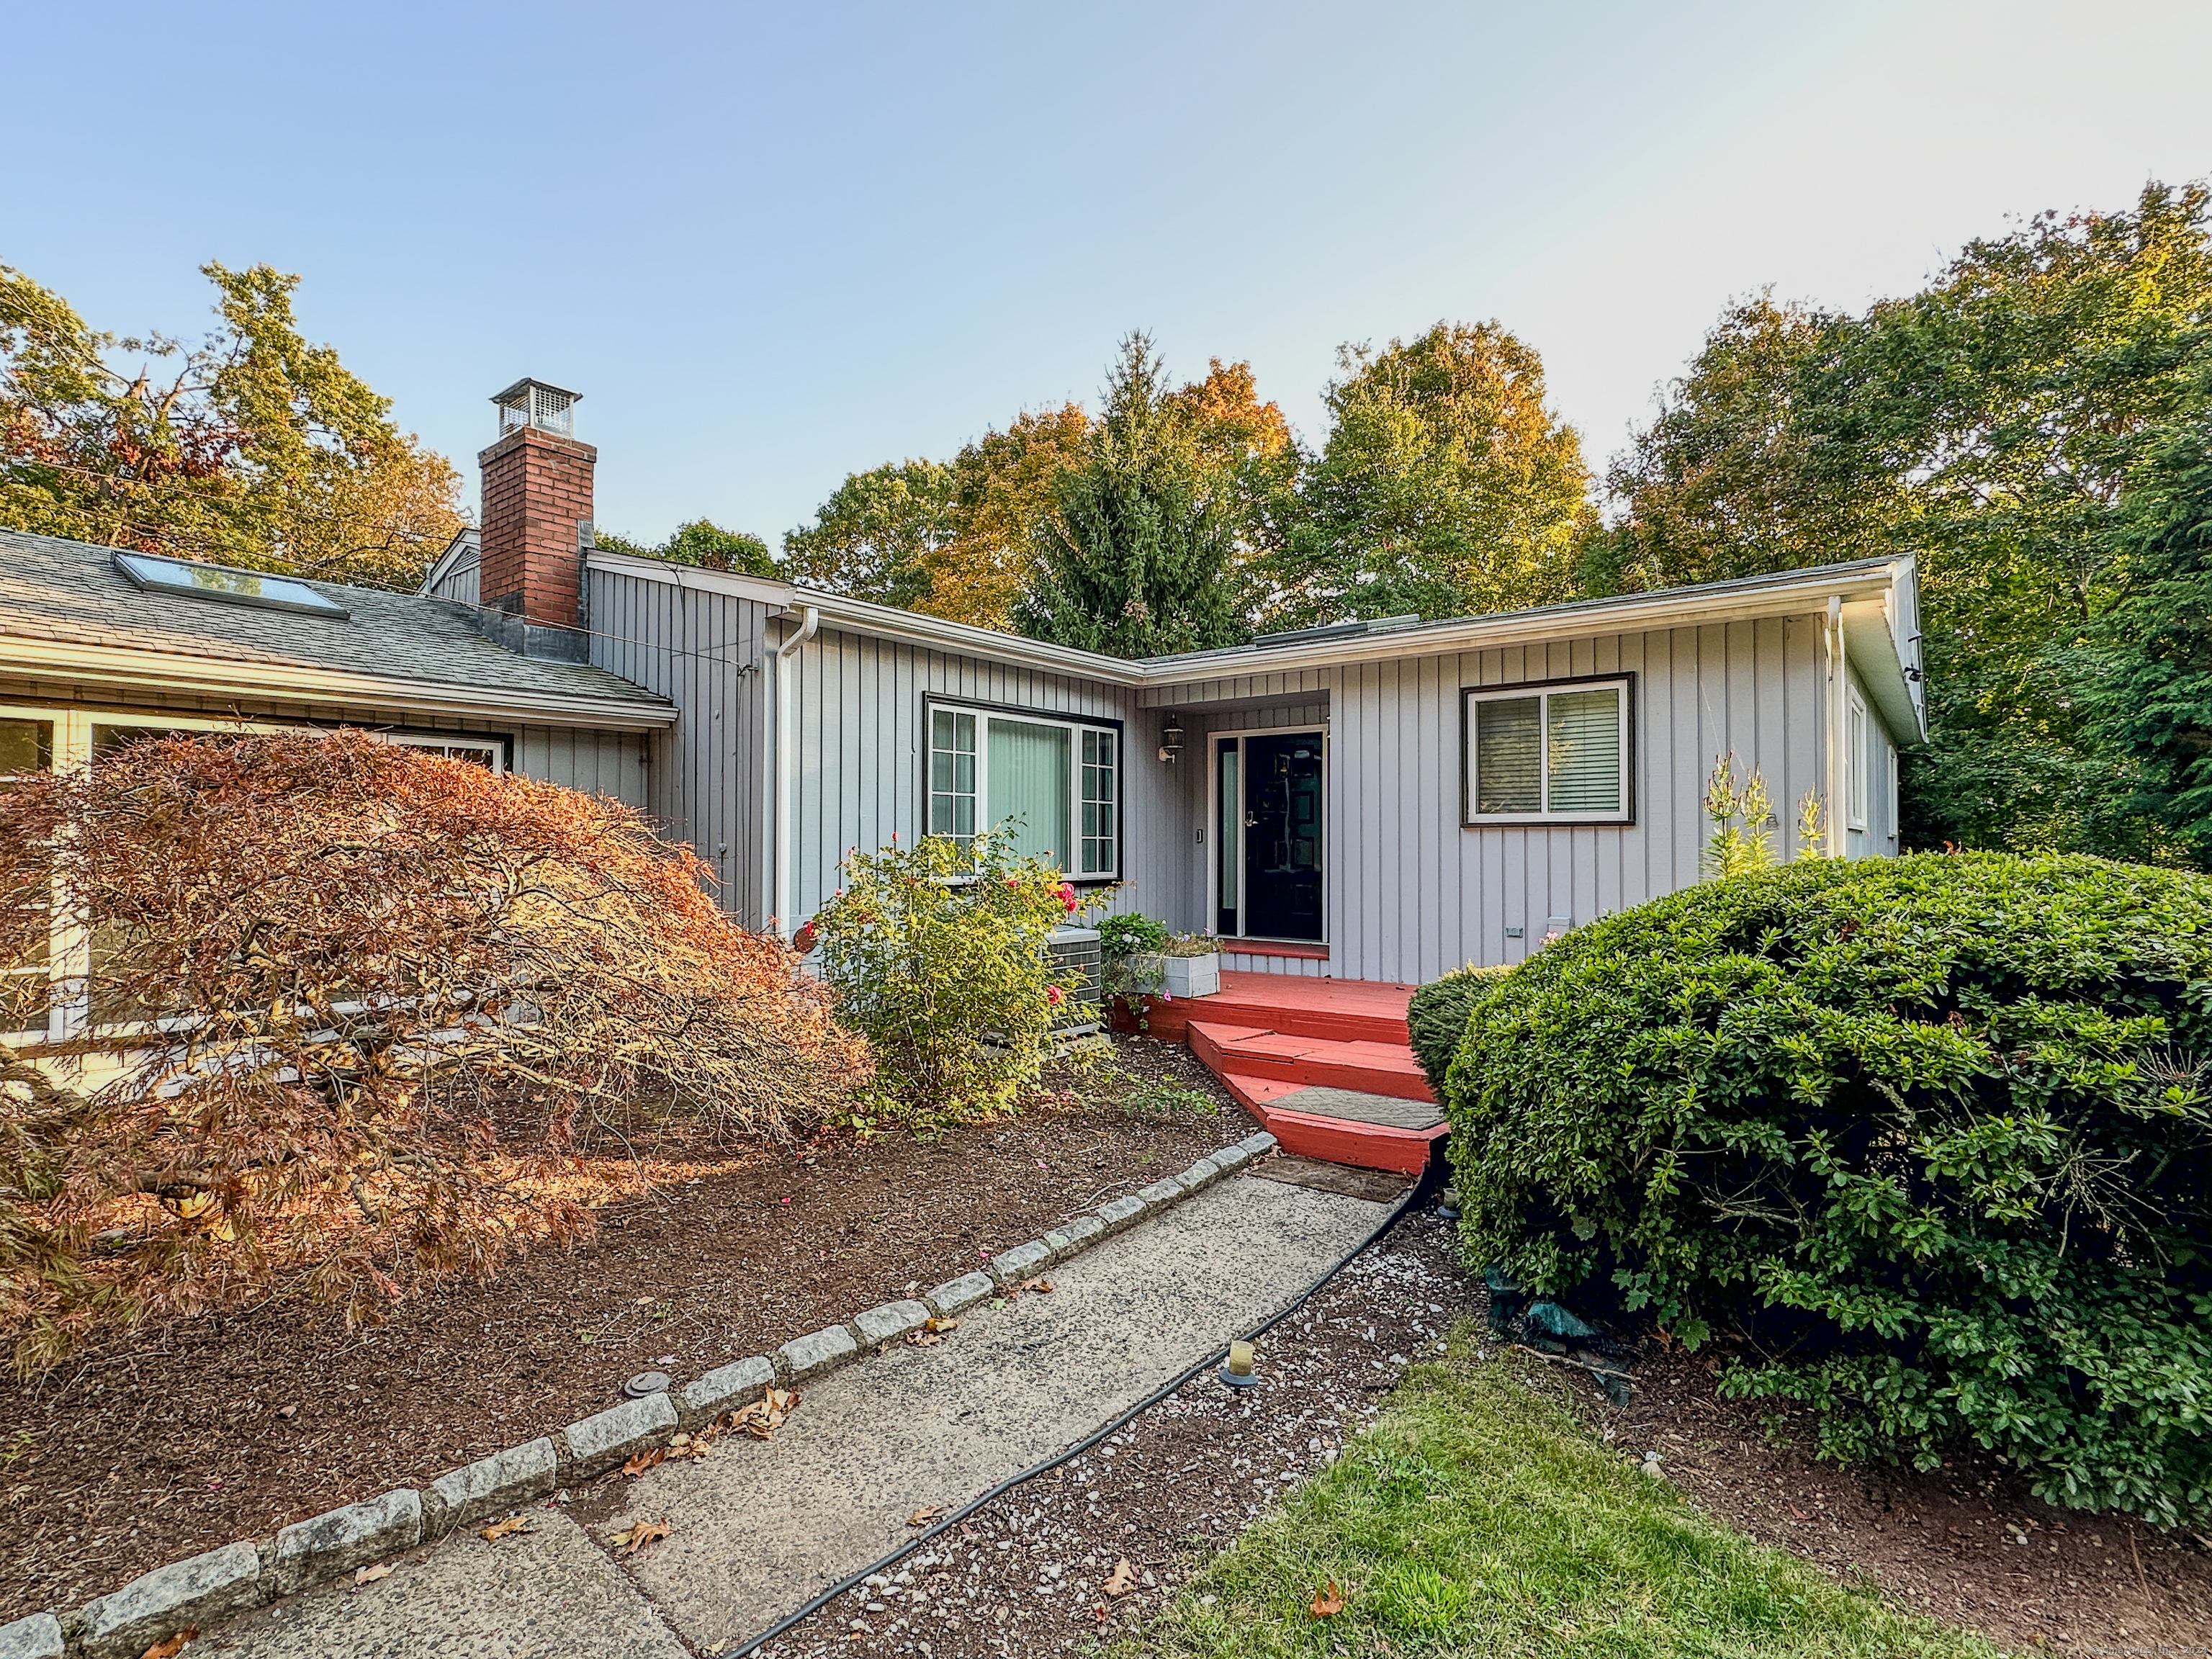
1026 1574
185 1436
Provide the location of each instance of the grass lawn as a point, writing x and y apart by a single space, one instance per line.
1475 1518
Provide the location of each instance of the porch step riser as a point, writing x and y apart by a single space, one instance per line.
1335 1141
1369 1073
1331 1026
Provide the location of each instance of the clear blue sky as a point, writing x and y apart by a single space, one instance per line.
774 244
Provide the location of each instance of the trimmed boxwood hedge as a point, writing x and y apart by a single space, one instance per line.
1436 1017
1922 1141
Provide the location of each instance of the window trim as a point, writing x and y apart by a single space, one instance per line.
1075 726
1469 695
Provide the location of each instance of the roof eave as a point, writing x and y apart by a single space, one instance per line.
107 667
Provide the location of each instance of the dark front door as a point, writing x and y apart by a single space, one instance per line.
1282 836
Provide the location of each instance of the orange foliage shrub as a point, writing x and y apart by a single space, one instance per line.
373 998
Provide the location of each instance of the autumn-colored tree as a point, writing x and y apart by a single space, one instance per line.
390 1018
1004 488
704 544
252 448
1445 486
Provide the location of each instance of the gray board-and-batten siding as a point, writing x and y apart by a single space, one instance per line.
1411 892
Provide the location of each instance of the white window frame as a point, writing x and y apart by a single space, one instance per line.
1470 779
1075 726
1858 731
69 955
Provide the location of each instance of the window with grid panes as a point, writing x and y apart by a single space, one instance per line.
27 747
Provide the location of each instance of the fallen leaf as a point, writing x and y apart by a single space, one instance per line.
923 1517
1124 1579
369 1575
499 1529
939 1325
1041 1286
644 1461
633 1539
764 1416
1799 1513
922 1339
1329 1602
174 1645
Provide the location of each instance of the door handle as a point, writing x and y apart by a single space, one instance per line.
1251 821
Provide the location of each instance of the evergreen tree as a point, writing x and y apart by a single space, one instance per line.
1136 559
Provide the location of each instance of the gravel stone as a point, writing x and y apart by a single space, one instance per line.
891 1321
491 1485
338 1540
38 1636
1013 1266
723 1389
204 1591
964 1292
1200 1174
1119 1213
616 1435
1070 1236
1162 1192
817 1351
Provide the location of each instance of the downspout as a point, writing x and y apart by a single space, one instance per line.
1833 643
811 621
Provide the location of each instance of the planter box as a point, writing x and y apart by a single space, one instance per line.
1193 976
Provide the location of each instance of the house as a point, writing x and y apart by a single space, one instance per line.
1379 801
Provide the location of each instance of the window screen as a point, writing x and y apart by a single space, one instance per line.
1509 777
26 747
1582 759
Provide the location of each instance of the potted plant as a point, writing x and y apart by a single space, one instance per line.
1129 948
1192 965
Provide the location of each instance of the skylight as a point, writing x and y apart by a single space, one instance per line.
207 581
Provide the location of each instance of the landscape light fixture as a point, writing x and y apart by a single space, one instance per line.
1236 1369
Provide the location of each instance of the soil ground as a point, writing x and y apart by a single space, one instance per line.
185 1436
1028 1574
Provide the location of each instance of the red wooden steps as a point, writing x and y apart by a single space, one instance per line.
1281 1042
1375 1068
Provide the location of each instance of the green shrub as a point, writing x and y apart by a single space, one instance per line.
1132 935
1436 1016
937 954
1926 1139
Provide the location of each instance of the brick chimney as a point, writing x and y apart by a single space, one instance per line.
537 508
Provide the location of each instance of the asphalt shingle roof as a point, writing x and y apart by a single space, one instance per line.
71 593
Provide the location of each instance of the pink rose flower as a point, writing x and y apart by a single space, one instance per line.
1054 995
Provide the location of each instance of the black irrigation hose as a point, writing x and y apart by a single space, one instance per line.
854 1581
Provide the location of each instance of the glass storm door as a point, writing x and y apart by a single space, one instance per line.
1268 836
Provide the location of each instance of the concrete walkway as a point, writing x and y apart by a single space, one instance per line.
756 1529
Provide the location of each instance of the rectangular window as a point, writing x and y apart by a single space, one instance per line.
951 773
1548 754
1098 803
1855 762
27 747
1054 785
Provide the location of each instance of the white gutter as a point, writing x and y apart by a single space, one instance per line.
810 623
1831 644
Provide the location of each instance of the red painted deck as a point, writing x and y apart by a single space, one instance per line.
1268 1037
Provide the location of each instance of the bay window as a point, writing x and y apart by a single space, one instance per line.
1055 784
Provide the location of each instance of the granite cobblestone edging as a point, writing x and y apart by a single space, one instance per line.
222 1583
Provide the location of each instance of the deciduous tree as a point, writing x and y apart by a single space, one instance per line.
1445 486
874 536
252 448
706 545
